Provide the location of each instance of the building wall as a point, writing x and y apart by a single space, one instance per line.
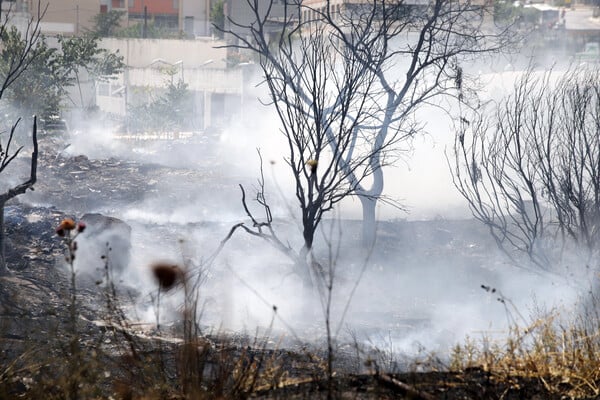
165 7
65 16
19 13
216 93
153 63
189 16
140 53
338 6
239 11
196 17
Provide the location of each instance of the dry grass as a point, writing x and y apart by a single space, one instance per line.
73 358
81 361
562 352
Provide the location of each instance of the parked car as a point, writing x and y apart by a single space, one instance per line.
55 125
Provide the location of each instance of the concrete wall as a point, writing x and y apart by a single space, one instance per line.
192 16
197 14
198 79
153 63
19 15
141 53
239 12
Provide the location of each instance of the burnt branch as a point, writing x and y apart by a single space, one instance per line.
264 229
17 190
529 170
15 65
28 52
346 85
22 188
5 156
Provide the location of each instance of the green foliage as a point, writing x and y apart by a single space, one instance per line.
84 53
168 112
507 12
41 88
107 24
217 18
136 31
504 11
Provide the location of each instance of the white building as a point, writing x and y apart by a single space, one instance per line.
153 63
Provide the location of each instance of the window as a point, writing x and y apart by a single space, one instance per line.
175 4
131 3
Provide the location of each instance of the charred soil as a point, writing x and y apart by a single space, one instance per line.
46 354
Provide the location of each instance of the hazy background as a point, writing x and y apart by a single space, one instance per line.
418 289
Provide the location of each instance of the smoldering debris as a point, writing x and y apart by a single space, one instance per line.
421 286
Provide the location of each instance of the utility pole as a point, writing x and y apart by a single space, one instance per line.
77 19
207 25
180 16
145 33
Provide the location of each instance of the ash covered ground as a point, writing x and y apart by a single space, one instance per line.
419 272
420 290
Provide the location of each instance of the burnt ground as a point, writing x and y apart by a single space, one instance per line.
35 319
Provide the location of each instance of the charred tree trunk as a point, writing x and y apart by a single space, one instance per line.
15 191
303 268
3 269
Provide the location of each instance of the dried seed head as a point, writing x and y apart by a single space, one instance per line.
81 226
312 163
65 225
167 275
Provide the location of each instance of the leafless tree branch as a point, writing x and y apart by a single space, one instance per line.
529 170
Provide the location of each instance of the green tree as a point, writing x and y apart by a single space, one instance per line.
168 112
107 24
43 86
152 32
217 17
82 53
15 62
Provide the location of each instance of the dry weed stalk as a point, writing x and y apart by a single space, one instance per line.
203 369
562 354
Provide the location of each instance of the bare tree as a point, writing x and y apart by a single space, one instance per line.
530 170
14 63
347 82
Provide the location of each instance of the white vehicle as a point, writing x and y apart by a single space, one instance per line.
54 125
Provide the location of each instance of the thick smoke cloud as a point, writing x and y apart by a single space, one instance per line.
405 298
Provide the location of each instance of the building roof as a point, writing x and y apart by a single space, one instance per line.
164 7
